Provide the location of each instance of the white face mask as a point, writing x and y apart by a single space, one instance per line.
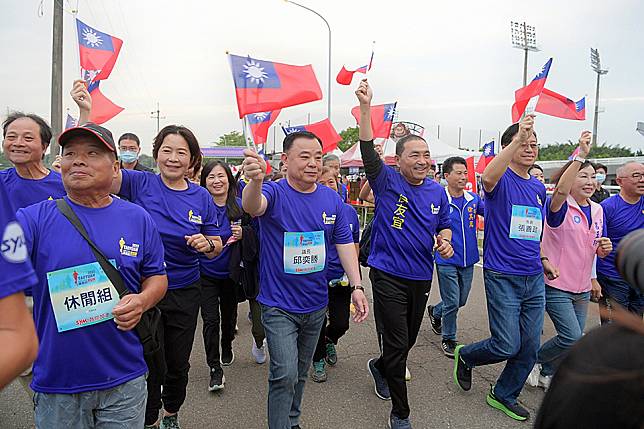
600 177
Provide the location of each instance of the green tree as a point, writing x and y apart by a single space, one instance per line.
233 138
147 160
561 151
349 138
4 162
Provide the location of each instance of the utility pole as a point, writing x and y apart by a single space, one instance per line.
56 117
158 116
524 37
596 65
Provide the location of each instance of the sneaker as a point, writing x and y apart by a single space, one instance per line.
259 353
331 354
436 323
380 383
544 381
448 347
170 422
407 374
318 373
462 373
217 379
398 423
296 427
227 356
533 378
515 411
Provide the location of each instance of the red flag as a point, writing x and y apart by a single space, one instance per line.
523 95
382 117
553 104
98 52
260 123
102 108
324 130
264 86
471 175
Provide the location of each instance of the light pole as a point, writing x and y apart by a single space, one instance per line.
524 37
596 65
328 94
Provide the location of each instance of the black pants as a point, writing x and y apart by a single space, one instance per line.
338 319
218 308
398 306
179 310
257 328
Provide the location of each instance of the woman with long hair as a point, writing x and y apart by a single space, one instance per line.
573 235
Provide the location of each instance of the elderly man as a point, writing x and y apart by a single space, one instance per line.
90 371
623 213
333 162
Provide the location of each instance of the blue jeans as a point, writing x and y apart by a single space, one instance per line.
617 290
567 311
291 339
120 407
455 284
515 306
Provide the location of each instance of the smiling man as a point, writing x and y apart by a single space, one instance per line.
411 210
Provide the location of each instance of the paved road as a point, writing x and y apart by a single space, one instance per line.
346 400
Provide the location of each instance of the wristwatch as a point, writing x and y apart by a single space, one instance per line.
579 158
356 287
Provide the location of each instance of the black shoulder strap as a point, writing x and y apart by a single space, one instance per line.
109 269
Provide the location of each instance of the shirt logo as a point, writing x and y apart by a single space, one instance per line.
539 200
435 209
576 219
328 220
192 217
128 249
13 246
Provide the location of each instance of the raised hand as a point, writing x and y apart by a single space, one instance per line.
254 165
526 128
364 93
81 96
584 144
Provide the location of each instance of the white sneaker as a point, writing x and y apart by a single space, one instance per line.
259 353
407 374
533 378
544 381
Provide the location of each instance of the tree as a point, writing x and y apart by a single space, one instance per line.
349 138
561 151
147 161
233 138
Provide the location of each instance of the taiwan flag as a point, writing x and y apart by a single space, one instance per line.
523 95
259 124
71 122
264 86
487 156
382 117
260 152
346 76
98 52
471 176
553 104
102 107
324 130
574 154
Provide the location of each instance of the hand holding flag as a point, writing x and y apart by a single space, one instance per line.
254 165
584 144
364 93
83 100
526 128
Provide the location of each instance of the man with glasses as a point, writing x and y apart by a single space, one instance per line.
623 213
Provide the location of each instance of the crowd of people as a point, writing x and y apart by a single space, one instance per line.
108 265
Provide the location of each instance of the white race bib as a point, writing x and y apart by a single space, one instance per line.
526 223
304 252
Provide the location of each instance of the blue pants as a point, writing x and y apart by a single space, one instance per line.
515 306
567 311
617 290
120 407
291 339
455 284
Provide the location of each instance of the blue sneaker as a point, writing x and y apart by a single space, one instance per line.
398 423
170 422
380 383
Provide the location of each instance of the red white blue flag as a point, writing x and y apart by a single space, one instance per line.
260 123
102 107
382 117
323 130
71 122
345 76
523 95
98 52
485 158
265 86
553 104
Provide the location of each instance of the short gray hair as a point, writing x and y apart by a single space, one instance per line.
330 157
621 171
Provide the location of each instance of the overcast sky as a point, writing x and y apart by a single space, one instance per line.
446 63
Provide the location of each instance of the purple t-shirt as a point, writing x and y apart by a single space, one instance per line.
218 267
407 217
297 231
17 273
98 356
334 267
620 218
176 214
514 212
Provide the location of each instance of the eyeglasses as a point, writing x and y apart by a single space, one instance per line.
634 176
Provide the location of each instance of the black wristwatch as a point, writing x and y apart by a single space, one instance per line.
357 287
212 246
544 258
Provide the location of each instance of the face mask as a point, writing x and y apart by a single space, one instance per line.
129 156
600 177
443 182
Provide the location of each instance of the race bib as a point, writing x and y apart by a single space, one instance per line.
526 223
81 296
304 252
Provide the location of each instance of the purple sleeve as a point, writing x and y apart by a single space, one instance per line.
555 219
443 215
153 261
353 220
131 182
210 225
480 209
269 189
499 188
15 265
341 228
604 227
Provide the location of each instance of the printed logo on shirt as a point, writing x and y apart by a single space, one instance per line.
13 246
50 198
576 219
435 209
328 220
128 249
471 209
192 217
539 200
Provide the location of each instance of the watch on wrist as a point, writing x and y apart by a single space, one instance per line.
212 246
357 287
544 258
579 158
